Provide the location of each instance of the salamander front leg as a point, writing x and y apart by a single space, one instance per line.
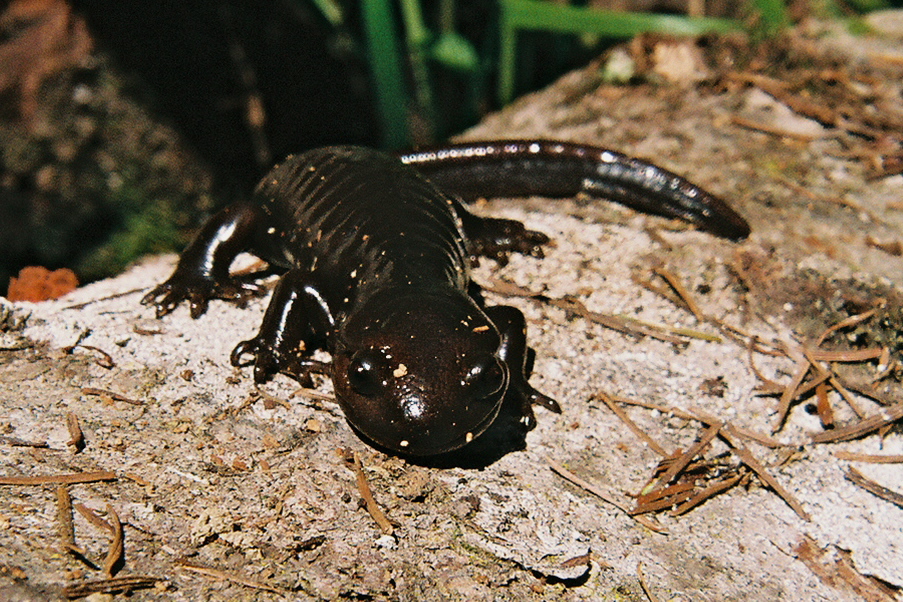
296 323
203 270
514 351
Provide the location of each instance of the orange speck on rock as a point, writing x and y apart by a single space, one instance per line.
40 284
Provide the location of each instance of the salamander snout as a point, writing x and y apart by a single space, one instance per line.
398 403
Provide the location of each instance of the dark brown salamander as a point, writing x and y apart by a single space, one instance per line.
377 252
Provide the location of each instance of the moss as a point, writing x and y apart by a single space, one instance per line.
95 181
150 230
859 27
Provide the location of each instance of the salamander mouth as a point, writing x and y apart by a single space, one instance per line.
473 432
424 444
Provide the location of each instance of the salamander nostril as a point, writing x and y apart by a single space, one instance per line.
413 407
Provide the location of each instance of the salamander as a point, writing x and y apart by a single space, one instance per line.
377 250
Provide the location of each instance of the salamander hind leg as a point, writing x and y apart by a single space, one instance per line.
203 270
295 324
496 238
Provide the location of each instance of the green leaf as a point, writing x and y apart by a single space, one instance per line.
455 52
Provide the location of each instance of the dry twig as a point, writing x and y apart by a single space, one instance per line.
76 437
618 323
857 355
662 498
227 576
825 413
16 442
115 555
709 492
847 396
771 129
62 479
874 488
693 451
631 424
656 406
760 438
747 458
117 585
862 427
92 517
845 323
104 359
104 394
700 416
870 458
363 488
625 325
64 518
790 392
597 491
682 292
642 579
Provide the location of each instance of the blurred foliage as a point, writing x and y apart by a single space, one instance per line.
150 228
93 178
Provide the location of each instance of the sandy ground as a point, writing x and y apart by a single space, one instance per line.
212 473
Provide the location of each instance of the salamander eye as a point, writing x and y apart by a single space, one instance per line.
486 377
363 376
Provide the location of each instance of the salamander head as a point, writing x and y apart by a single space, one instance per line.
419 374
